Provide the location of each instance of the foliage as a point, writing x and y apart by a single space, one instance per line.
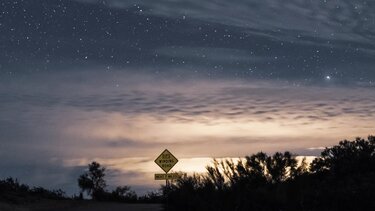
152 197
92 182
13 191
342 178
124 194
349 157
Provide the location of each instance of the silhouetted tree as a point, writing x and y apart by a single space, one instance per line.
347 158
342 178
345 174
92 182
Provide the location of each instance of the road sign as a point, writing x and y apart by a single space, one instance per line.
172 176
166 161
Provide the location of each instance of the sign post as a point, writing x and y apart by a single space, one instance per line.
166 160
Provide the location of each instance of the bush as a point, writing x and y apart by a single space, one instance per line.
342 178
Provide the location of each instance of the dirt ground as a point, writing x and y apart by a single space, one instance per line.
79 206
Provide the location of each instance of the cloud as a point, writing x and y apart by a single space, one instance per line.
228 99
60 126
145 113
34 171
304 41
342 19
220 55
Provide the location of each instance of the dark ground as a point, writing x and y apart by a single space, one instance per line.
70 205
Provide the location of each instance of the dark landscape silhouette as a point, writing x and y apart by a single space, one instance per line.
341 178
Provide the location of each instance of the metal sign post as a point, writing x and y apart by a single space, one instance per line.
166 160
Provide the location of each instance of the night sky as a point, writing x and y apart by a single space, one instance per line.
119 81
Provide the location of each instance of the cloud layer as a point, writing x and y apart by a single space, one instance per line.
348 20
294 40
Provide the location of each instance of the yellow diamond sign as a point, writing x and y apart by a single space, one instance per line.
166 161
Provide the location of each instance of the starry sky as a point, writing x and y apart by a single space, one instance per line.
119 81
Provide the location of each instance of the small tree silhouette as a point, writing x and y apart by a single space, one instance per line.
92 182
